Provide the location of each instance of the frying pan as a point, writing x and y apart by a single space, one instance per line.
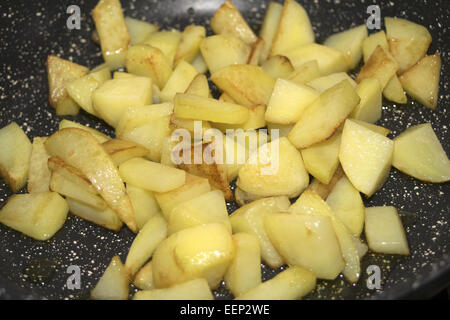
31 30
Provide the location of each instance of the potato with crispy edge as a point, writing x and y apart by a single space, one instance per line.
278 66
189 46
113 285
99 136
269 27
122 150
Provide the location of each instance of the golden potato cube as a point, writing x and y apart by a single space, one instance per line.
322 159
196 289
323 190
394 91
220 51
60 72
144 204
105 218
381 65
324 116
248 85
229 21
418 153
365 156
289 101
166 41
244 272
113 96
256 120
378 129
204 251
408 41
99 136
256 52
199 86
278 67
209 207
139 30
294 29
179 81
122 150
114 283
38 215
384 231
250 219
144 278
305 73
421 81
372 42
269 27
349 42
200 64
189 46
145 243
15 156
330 60
151 176
323 83
290 284
147 61
112 31
369 108
38 173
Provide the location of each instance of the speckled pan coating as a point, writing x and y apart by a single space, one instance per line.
33 29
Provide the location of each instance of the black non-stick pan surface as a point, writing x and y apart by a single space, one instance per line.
31 30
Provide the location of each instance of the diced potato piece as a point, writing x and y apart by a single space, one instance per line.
166 41
204 251
290 284
145 243
81 89
346 203
305 73
79 149
365 156
179 81
394 91
199 86
381 65
144 204
289 101
100 137
193 187
207 208
294 29
246 84
106 218
322 159
323 190
378 129
324 116
122 150
418 153
113 285
408 41
244 272
188 124
215 172
220 51
384 231
250 219
38 215
200 64
151 176
349 42
38 173
65 187
144 278
269 27
112 32
323 83
278 66
228 20
369 108
271 172
15 156
329 60
421 81
256 52
147 61
196 289
55 164
310 203
372 42
189 45
242 198
139 30
306 240
113 96
256 120
283 129
189 106
60 72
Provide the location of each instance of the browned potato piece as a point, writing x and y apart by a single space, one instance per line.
60 72
122 150
269 27
323 190
257 50
228 20
189 45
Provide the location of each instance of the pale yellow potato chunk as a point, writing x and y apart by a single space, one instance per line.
144 204
196 289
179 81
269 27
323 83
105 218
305 72
99 136
38 173
278 67
113 285
189 46
369 108
139 30
122 150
